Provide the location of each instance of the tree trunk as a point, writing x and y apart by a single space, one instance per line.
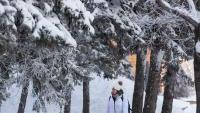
67 107
147 67
23 98
86 96
197 4
153 81
197 69
137 103
197 38
169 90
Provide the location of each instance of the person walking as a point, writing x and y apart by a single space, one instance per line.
117 102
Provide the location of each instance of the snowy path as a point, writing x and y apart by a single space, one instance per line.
100 91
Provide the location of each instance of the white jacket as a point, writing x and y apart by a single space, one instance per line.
118 106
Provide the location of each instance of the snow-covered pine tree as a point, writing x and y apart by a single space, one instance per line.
193 20
184 84
165 28
113 37
7 43
44 27
172 67
36 28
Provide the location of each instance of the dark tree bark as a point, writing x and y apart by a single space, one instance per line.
153 81
147 68
67 106
137 103
197 4
23 98
197 68
146 75
169 89
86 96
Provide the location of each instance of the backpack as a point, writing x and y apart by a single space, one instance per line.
129 107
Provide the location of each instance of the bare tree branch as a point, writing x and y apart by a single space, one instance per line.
185 16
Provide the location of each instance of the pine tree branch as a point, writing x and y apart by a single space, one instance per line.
182 14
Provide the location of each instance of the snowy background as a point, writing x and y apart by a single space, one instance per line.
67 26
99 94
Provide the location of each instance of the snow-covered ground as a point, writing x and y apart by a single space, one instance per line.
99 92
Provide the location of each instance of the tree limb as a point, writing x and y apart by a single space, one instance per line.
185 16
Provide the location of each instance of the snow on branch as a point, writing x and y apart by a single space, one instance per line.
192 7
197 47
174 45
77 8
40 25
178 11
7 14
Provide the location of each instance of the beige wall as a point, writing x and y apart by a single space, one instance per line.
132 59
